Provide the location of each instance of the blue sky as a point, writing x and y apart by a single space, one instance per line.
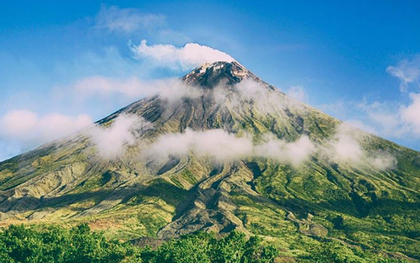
356 60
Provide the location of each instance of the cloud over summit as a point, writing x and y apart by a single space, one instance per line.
183 58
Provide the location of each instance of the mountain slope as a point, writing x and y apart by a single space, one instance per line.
284 171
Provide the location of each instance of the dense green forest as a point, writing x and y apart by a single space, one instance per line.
48 243
19 243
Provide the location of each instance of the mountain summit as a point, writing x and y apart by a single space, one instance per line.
211 74
222 150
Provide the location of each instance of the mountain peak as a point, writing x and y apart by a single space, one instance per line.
212 74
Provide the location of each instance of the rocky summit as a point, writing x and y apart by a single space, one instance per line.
221 150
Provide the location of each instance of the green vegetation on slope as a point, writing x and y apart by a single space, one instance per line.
55 244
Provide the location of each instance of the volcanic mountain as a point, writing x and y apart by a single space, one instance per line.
222 150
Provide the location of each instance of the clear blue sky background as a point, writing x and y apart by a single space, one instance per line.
337 52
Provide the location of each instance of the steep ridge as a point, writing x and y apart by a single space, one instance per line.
292 183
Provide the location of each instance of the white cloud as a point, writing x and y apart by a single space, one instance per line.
27 129
294 152
384 116
126 20
223 146
258 94
111 141
408 71
383 161
392 119
411 114
346 148
187 57
298 93
216 144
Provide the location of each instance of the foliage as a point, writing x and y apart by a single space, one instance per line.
20 243
204 247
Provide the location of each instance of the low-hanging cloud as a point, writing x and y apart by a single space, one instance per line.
345 148
27 129
223 146
216 143
111 142
187 57
264 98
286 152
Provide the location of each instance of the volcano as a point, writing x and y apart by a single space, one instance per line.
222 150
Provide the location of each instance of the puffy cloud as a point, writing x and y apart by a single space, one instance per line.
111 141
298 93
223 146
408 71
27 129
383 161
345 148
187 57
126 20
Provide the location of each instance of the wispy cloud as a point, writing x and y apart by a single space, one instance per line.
298 93
394 119
178 58
360 125
345 148
410 114
126 20
133 88
408 71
